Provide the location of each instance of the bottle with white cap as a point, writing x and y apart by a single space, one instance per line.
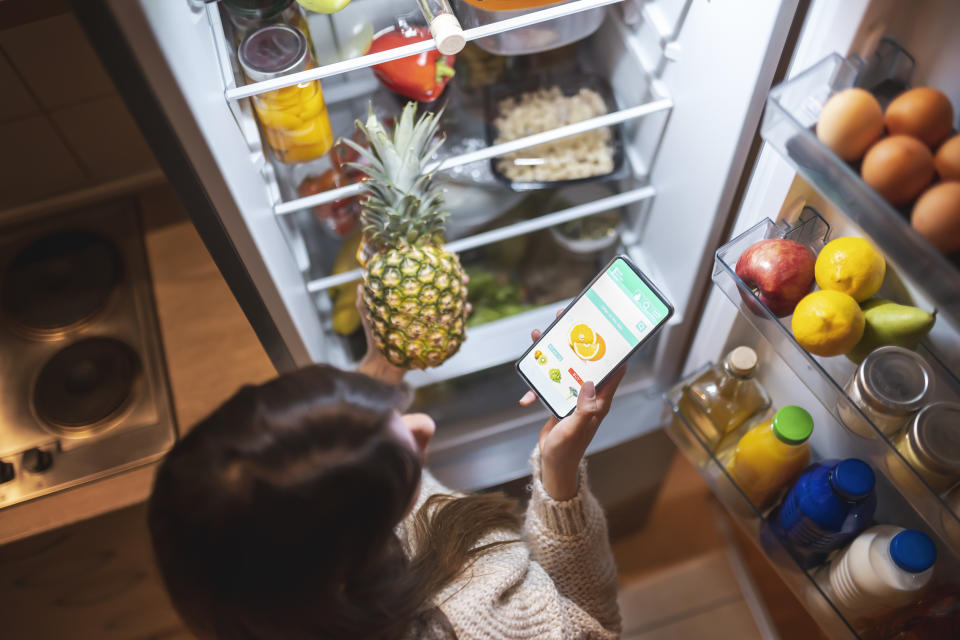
885 567
446 29
725 397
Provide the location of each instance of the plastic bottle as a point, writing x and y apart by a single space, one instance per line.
828 506
725 396
883 568
771 455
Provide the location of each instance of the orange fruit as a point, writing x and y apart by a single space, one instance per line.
586 351
601 349
582 334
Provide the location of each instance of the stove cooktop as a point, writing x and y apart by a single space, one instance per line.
83 386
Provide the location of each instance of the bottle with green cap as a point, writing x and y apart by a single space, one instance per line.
770 456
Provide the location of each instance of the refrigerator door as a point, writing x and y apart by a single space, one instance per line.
165 63
926 30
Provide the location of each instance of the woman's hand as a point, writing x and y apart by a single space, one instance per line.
564 442
374 363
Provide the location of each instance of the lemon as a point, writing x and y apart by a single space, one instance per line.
852 266
828 323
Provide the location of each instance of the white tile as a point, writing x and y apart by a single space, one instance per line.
105 138
56 60
35 163
16 101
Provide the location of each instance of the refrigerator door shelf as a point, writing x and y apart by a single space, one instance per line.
750 519
793 108
826 377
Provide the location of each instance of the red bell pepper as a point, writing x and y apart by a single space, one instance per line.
421 77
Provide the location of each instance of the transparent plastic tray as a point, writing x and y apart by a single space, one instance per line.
750 518
825 377
793 109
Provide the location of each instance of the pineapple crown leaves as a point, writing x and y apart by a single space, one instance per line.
403 204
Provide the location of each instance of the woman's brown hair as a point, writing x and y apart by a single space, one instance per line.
274 517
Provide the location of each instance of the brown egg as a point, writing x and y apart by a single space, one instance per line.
924 113
898 168
947 160
850 121
936 216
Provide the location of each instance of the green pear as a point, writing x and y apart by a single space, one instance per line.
889 323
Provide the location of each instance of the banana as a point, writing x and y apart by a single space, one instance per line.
889 323
346 318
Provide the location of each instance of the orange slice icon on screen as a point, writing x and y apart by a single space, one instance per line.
582 334
601 348
586 343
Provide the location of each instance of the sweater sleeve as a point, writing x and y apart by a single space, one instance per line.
569 540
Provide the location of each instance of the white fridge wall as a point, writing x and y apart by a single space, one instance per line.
173 45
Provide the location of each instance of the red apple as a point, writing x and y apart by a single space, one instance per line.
779 271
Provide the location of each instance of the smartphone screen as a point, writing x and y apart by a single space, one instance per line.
604 325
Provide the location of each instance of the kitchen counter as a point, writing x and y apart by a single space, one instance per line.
210 348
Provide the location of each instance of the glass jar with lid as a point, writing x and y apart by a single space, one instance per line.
294 119
889 386
246 16
931 445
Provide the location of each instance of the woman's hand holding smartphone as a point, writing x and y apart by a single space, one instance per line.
576 364
564 442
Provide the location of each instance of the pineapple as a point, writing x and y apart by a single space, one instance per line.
412 288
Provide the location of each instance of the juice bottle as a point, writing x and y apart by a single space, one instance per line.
294 119
725 396
883 568
828 506
771 455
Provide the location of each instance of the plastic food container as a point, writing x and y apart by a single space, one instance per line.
544 36
566 234
569 84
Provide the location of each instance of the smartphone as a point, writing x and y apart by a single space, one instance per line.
618 312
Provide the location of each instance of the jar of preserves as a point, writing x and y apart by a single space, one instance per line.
889 386
294 119
246 16
931 445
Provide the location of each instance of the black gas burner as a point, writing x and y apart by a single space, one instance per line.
86 383
59 281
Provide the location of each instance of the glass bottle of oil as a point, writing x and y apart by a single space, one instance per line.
725 396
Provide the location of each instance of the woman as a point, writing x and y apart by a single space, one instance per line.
300 509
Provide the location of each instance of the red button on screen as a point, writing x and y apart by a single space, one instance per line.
575 376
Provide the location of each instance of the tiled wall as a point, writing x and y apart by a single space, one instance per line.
62 124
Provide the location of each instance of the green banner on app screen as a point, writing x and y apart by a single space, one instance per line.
638 291
611 318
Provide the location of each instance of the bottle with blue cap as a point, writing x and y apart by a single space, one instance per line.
825 509
883 568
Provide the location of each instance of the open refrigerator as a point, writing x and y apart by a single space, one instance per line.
712 104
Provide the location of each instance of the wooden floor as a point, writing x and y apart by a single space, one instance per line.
96 579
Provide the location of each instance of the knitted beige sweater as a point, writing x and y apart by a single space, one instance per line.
560 583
